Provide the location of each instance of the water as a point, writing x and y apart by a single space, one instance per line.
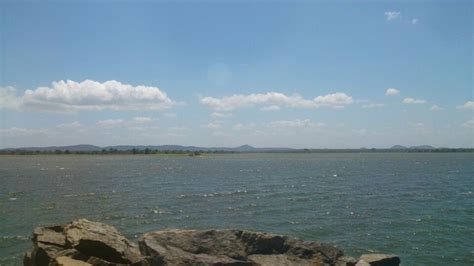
419 206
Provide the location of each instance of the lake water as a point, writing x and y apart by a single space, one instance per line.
417 205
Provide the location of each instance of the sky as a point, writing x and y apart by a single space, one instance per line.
319 74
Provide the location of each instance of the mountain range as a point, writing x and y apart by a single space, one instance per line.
92 148
243 148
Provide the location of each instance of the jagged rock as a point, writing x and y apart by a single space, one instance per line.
85 241
102 241
82 243
378 260
233 247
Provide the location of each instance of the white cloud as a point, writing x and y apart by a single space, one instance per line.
170 115
373 105
410 100
416 124
21 131
71 96
74 124
110 122
296 123
218 134
392 92
469 105
142 119
7 98
391 15
270 108
240 126
414 21
335 100
213 125
220 115
361 131
436 108
468 124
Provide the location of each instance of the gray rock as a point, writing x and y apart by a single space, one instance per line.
233 247
379 260
102 241
85 241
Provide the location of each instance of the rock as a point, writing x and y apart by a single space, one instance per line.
85 241
102 241
233 247
378 260
82 243
346 261
65 261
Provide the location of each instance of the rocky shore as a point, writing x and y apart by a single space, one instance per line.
83 242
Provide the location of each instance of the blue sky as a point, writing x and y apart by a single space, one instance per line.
307 74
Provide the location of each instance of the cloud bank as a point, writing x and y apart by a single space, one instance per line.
275 100
72 96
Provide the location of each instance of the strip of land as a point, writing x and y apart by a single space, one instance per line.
194 150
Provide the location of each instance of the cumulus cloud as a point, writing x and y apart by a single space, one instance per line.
335 100
240 126
392 92
469 105
7 98
361 131
270 108
170 115
435 108
468 124
391 15
72 96
142 119
373 105
221 115
414 21
110 122
296 123
21 131
416 124
213 125
410 100
72 125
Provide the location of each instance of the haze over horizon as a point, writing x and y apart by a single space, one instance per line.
310 75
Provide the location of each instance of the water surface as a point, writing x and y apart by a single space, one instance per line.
417 205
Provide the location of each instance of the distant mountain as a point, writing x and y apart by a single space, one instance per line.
179 148
398 147
423 147
74 148
91 148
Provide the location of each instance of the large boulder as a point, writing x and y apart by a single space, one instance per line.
233 247
85 241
